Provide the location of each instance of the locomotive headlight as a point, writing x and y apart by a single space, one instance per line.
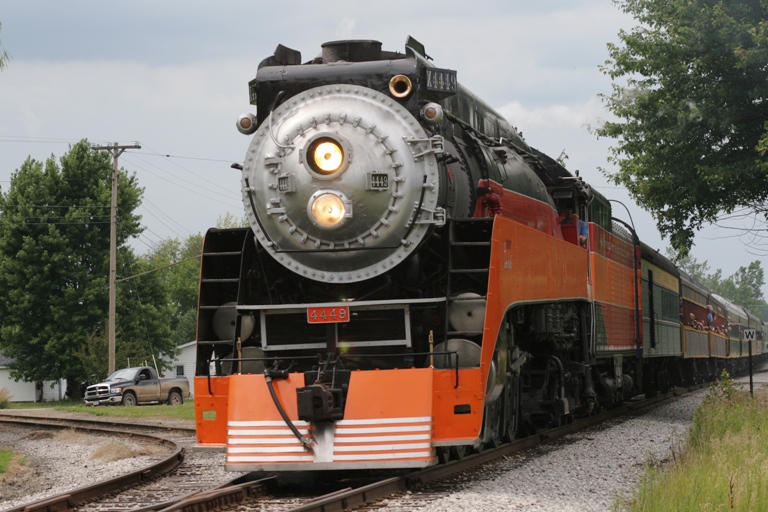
328 209
328 156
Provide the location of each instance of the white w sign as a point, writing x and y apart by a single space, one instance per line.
748 334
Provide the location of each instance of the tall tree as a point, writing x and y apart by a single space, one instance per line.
4 57
179 269
54 262
692 134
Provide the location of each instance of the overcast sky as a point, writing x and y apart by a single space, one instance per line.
173 76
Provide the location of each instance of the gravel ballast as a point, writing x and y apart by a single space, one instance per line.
583 472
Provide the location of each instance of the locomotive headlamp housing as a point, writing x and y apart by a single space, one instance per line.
432 113
328 209
246 124
326 156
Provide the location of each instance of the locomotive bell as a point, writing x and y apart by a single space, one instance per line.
467 312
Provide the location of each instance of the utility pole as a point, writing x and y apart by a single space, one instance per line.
115 150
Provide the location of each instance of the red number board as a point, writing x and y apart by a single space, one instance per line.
328 315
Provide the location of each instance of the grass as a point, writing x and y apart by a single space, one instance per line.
186 411
5 398
723 464
5 460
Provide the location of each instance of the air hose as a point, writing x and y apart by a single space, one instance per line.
303 440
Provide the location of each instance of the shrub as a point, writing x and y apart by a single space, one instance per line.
5 398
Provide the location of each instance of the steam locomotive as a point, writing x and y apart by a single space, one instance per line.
418 282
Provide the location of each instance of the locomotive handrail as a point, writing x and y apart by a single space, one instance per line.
358 356
353 303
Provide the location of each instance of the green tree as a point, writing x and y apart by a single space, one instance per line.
178 265
143 305
4 57
229 221
692 128
54 262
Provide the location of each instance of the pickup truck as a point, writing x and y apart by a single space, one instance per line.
133 386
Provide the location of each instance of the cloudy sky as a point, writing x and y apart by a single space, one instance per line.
173 76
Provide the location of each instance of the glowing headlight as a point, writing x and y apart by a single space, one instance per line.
326 156
327 209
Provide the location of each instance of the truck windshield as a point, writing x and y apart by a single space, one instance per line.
124 374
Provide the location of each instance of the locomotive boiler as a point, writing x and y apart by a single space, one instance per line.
413 285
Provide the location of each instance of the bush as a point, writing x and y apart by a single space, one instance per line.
5 398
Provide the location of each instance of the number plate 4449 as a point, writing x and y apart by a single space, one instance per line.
335 314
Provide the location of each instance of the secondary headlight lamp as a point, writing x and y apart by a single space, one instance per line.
328 209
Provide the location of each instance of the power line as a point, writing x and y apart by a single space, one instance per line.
229 197
148 202
55 206
190 158
160 268
79 223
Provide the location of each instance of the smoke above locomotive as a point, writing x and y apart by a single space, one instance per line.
358 154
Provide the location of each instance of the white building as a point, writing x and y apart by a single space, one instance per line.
50 391
184 365
22 391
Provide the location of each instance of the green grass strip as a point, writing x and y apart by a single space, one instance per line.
724 463
5 460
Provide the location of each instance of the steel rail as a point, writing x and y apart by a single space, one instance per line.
244 488
350 499
69 499
366 495
86 423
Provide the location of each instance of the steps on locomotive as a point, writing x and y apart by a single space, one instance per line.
469 246
220 276
469 258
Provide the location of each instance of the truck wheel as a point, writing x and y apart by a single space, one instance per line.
174 398
129 399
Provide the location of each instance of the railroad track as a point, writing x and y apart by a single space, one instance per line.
172 474
183 490
181 480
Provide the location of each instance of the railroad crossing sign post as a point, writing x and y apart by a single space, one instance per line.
749 336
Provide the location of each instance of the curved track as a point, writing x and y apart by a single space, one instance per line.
183 488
